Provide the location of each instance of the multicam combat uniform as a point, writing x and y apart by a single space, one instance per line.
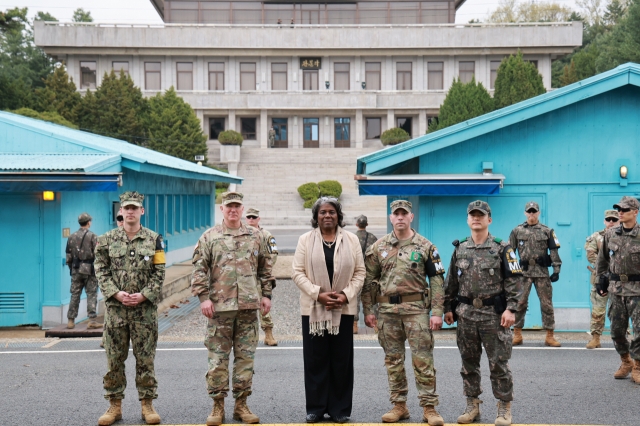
401 268
366 240
81 245
265 320
478 273
232 268
593 246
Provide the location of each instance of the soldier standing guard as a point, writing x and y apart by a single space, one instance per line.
232 278
400 262
366 240
130 266
598 303
532 240
620 258
483 289
266 323
79 257
272 134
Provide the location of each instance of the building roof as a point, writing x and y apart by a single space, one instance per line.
385 161
57 162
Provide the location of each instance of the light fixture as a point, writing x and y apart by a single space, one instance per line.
623 172
364 84
48 195
326 84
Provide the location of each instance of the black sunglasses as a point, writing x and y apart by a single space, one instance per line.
532 211
119 219
252 217
611 219
620 209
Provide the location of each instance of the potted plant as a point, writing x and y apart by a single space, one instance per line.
230 143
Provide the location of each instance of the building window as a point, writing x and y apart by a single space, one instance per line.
435 75
279 76
311 129
247 76
216 75
372 75
216 125
343 132
403 76
341 13
152 75
87 75
372 13
341 75
310 80
404 123
248 126
373 128
310 13
119 67
280 127
467 71
494 65
185 75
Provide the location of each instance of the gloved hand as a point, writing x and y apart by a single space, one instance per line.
602 286
554 277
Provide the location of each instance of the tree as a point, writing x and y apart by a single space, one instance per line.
622 43
463 102
44 16
59 95
49 116
509 11
173 127
569 75
516 81
592 11
614 12
79 15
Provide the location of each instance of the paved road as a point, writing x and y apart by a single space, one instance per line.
287 238
63 386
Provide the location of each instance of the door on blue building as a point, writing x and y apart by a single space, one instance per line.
20 280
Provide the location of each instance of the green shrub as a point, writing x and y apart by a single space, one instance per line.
230 137
330 188
394 136
309 203
309 191
50 116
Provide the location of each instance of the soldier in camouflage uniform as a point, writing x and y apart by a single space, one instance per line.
538 247
598 303
366 240
130 266
232 278
485 283
266 323
620 259
400 262
79 256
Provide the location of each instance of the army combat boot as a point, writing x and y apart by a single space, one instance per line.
113 414
431 416
93 324
517 336
149 414
550 340
635 373
71 323
242 412
269 340
472 412
217 413
504 413
398 412
594 342
625 367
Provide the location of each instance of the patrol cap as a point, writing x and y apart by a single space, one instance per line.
131 198
479 205
231 197
401 204
627 202
85 217
531 205
252 212
610 213
362 220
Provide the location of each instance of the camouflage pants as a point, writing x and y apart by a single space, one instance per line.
598 310
265 321
472 336
237 329
621 310
144 339
90 285
393 330
545 292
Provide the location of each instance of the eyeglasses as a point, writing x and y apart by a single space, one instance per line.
329 199
621 210
252 217
611 219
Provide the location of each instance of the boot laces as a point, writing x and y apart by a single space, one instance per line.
470 406
218 408
502 409
242 407
112 410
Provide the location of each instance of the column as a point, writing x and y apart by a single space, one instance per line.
359 126
419 76
167 74
263 136
200 115
390 119
232 119
422 122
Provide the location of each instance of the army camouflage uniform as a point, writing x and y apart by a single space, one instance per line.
232 268
82 244
134 266
265 320
593 246
532 242
401 268
366 240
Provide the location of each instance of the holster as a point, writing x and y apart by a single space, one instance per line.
500 303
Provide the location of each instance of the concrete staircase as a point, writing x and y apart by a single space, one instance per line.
272 176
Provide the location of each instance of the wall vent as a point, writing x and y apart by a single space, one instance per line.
11 302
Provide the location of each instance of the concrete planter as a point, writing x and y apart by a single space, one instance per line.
229 153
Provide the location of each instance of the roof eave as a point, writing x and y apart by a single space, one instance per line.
184 174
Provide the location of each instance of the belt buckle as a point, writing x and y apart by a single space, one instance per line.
477 303
395 299
624 278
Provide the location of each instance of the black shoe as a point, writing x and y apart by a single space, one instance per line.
340 419
313 418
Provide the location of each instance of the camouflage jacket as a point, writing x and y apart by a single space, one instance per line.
134 266
82 244
533 241
232 268
402 269
483 270
620 255
366 240
593 247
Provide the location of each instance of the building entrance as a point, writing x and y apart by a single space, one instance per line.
282 136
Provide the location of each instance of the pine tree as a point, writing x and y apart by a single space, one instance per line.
80 15
516 81
614 12
569 75
463 102
59 95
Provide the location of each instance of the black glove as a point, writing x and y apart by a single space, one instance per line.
602 287
554 277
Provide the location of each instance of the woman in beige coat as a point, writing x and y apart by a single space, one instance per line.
328 268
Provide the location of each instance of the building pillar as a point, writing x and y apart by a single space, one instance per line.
422 122
233 170
203 125
263 136
232 119
359 129
390 119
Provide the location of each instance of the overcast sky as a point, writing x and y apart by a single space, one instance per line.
141 11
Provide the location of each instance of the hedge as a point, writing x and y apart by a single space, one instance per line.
394 136
330 188
230 137
309 191
309 203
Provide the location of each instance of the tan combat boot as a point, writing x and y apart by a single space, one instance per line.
550 340
242 412
217 413
431 416
594 342
71 323
113 414
93 324
517 336
635 373
355 327
269 340
625 367
472 412
398 412
504 413
149 414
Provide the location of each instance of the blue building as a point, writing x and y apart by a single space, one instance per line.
574 150
49 174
